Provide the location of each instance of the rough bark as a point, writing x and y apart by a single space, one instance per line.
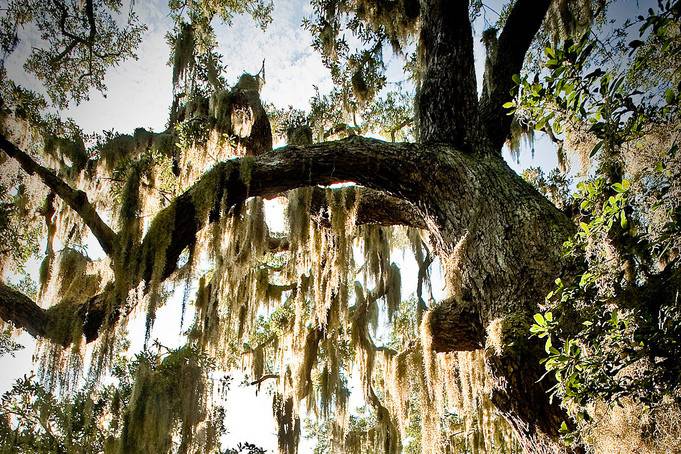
374 207
501 244
447 101
499 239
521 396
456 327
317 164
384 167
22 311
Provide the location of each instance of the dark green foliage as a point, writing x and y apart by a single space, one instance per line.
17 242
7 345
555 185
611 325
35 420
245 448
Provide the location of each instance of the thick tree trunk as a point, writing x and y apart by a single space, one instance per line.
447 100
501 244
505 58
500 240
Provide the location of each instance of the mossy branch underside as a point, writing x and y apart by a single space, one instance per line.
381 170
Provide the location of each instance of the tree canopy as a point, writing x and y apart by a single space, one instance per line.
559 328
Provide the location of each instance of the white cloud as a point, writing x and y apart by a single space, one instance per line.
292 67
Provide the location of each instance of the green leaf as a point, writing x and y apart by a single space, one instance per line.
516 78
539 319
626 184
508 105
548 316
595 149
557 127
669 96
614 318
541 123
659 167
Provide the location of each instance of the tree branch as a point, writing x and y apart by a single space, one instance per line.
456 326
75 39
56 323
75 199
375 207
505 59
392 169
19 309
263 378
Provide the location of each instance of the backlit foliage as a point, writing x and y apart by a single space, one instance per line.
311 318
141 411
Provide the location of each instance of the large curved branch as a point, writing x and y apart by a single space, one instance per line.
374 207
505 59
22 311
74 198
392 169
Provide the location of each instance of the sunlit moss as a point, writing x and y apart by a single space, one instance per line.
206 194
246 169
156 247
167 403
183 52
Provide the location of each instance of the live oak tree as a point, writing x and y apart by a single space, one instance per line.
296 309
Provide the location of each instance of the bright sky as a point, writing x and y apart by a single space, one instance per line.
139 94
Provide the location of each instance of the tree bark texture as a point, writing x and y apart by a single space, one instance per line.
447 101
504 59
